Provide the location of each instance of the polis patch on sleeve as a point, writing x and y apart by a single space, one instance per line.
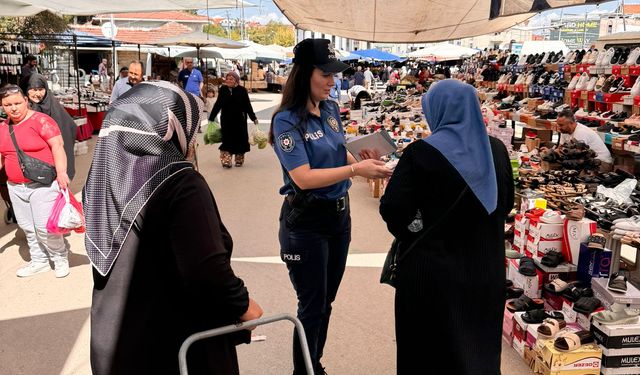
333 123
286 142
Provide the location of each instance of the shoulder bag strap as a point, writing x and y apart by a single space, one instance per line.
15 144
436 224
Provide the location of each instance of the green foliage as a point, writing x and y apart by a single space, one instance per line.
41 23
272 33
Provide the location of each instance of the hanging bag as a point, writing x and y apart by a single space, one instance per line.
213 133
67 215
395 256
32 168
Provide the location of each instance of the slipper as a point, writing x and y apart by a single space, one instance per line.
557 286
527 267
525 303
573 293
586 305
597 241
552 259
571 341
539 315
617 283
513 292
624 316
550 327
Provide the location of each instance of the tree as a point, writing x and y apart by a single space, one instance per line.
215 29
272 33
41 23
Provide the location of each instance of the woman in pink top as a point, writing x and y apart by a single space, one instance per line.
38 136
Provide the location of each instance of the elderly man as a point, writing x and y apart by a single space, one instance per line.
358 77
571 130
368 78
123 85
191 79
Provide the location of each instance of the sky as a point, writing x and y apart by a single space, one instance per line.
266 10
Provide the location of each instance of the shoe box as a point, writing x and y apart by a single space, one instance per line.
507 326
593 263
620 344
585 360
519 243
552 301
520 333
539 248
530 284
522 224
541 368
574 234
631 298
546 232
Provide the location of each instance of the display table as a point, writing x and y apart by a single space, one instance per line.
85 128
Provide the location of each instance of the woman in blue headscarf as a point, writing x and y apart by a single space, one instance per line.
451 193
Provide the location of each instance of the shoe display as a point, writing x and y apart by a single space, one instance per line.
617 283
33 268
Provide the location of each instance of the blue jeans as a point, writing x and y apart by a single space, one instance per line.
315 250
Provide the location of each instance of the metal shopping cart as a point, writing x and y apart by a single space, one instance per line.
182 354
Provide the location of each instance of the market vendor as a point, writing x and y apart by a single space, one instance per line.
356 94
571 130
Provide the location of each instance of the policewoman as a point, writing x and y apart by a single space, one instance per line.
315 223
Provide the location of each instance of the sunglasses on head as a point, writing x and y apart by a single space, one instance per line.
10 90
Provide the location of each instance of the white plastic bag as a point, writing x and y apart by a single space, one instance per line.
260 138
70 218
252 131
620 193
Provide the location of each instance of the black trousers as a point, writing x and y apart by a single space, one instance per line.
315 250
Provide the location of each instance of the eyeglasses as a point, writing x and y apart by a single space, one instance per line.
10 90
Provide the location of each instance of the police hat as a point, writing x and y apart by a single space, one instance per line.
319 53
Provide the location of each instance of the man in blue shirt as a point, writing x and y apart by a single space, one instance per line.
335 90
191 79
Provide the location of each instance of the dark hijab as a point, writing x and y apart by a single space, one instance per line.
144 140
50 106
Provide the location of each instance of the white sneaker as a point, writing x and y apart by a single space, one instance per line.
583 82
633 56
592 83
33 268
61 267
581 113
574 82
594 57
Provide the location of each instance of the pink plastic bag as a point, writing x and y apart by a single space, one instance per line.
64 199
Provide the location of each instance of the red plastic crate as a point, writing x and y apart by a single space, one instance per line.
612 98
591 96
634 70
575 94
636 100
567 68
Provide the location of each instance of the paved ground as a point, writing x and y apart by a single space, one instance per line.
44 321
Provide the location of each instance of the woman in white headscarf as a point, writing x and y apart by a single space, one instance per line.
160 253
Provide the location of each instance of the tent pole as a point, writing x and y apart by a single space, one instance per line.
139 57
75 63
116 71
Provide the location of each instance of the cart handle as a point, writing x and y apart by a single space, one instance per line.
182 354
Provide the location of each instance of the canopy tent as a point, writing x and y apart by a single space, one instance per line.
442 52
203 54
235 54
264 52
288 51
199 39
422 21
377 55
510 7
19 8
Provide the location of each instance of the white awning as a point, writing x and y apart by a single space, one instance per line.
12 8
442 52
531 47
397 21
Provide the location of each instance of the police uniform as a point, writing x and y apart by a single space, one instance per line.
315 230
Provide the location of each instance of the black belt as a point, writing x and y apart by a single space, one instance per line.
338 205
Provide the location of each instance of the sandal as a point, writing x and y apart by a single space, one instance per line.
624 316
586 305
525 303
557 286
573 293
552 259
571 341
597 241
617 283
539 315
527 267
550 327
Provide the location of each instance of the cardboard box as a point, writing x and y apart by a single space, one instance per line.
593 263
587 359
630 298
541 248
530 284
541 368
518 345
544 231
617 336
628 359
575 233
522 224
619 371
552 301
507 326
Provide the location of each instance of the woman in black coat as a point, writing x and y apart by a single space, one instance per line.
159 250
458 185
233 101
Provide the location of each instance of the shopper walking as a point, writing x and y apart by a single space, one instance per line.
315 222
358 77
38 136
191 79
368 79
160 253
456 184
234 103
43 101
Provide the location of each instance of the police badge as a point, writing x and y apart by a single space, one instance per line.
333 123
286 142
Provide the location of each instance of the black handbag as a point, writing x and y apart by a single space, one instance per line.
34 169
394 257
